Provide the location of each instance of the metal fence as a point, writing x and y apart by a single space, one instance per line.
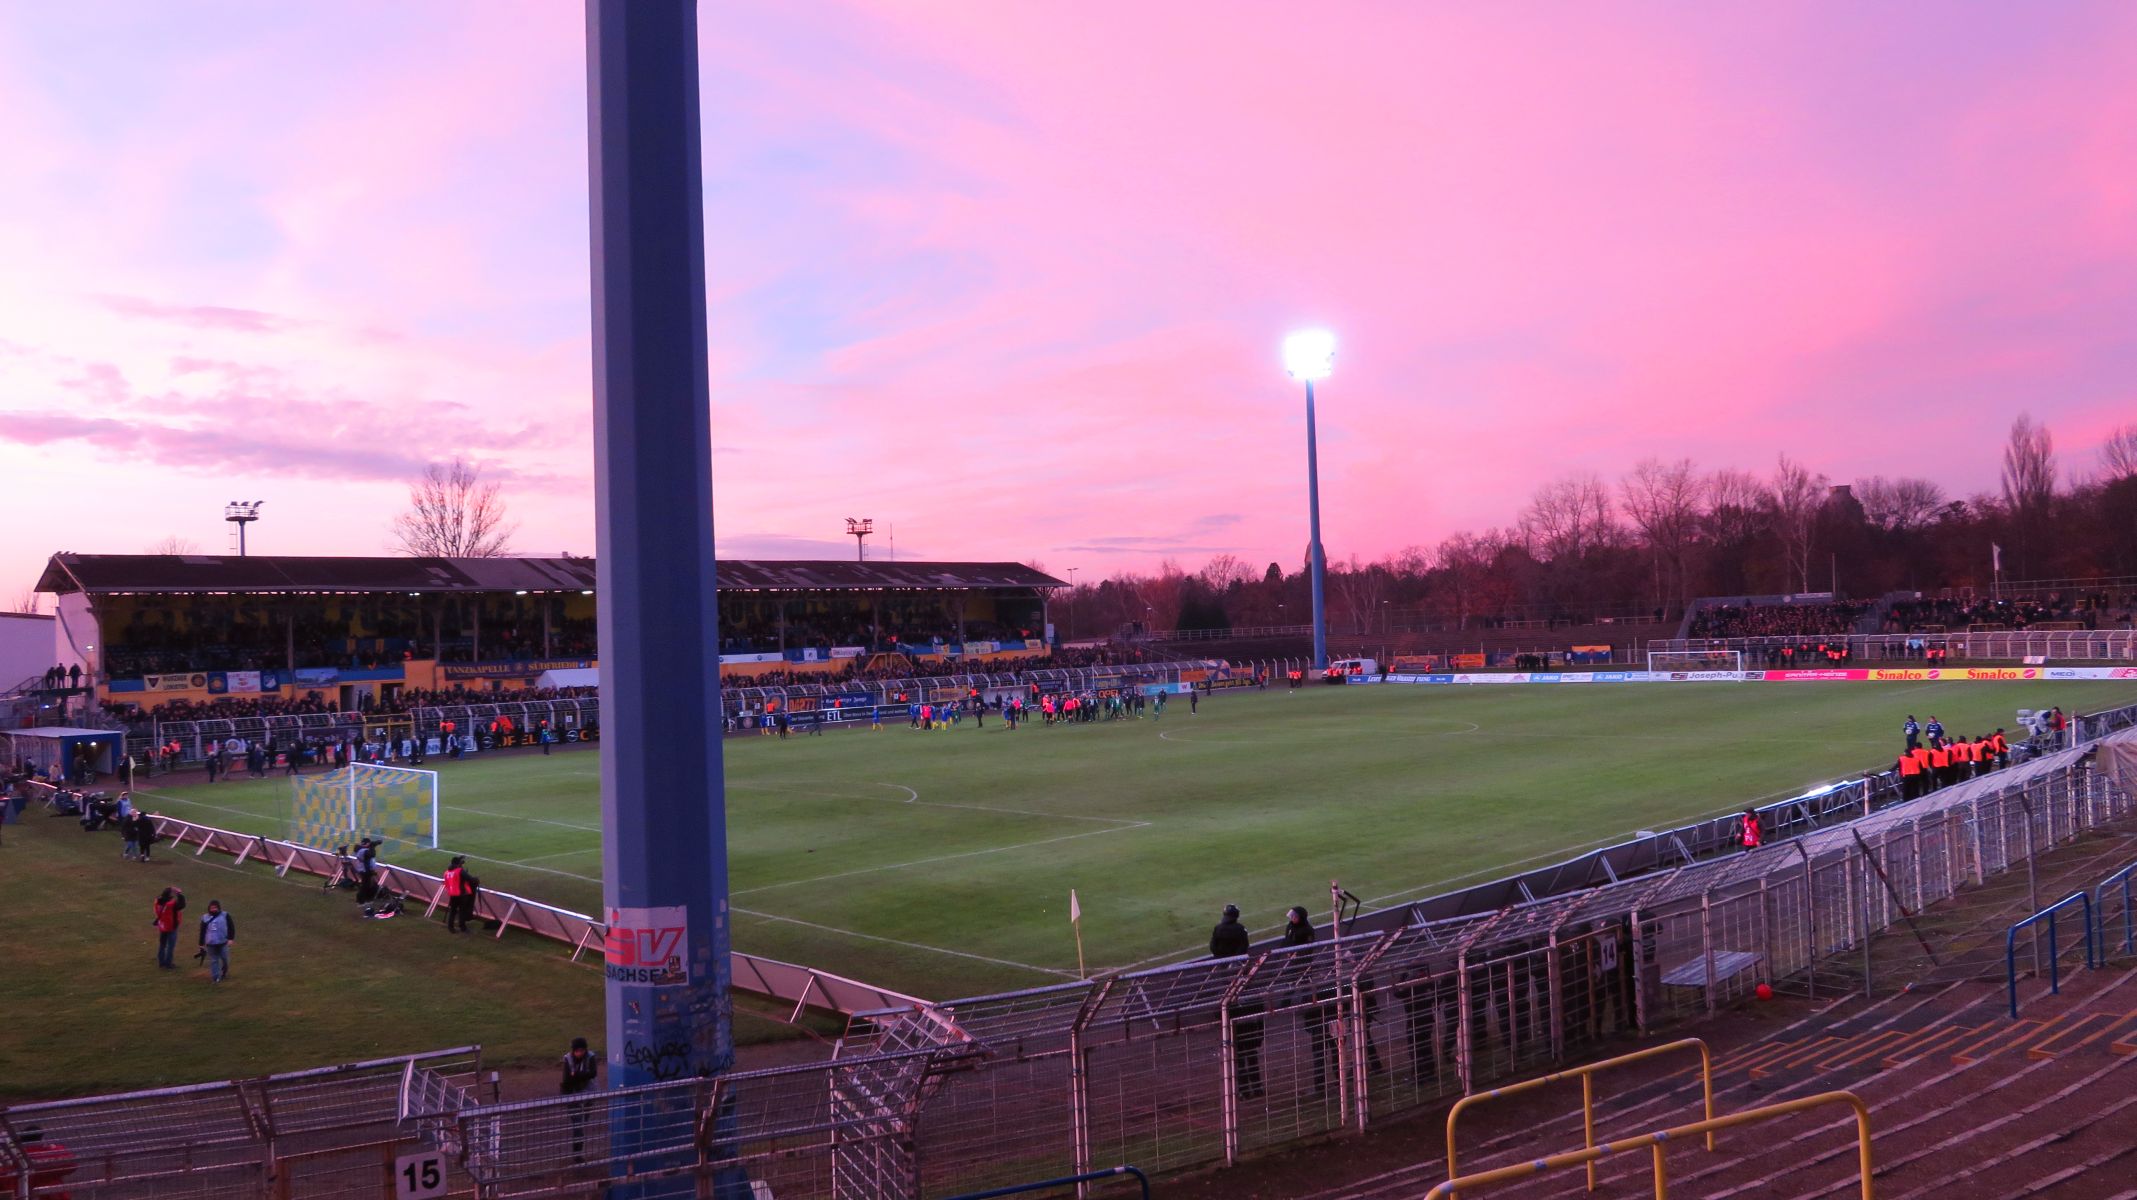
1212 1061
325 1133
2062 646
567 714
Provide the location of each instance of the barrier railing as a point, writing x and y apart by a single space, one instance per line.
802 987
1586 1075
2047 916
1661 1138
2117 884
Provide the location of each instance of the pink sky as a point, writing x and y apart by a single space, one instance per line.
1012 277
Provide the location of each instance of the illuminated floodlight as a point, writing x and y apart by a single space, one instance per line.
1310 354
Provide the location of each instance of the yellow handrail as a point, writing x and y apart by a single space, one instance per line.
1587 1093
1663 1137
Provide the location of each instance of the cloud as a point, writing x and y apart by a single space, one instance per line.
199 316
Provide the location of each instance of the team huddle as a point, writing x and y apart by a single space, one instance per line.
1925 766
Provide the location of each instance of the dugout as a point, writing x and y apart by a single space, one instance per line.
56 752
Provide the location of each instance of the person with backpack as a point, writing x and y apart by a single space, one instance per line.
217 930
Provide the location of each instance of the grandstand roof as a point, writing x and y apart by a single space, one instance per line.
178 573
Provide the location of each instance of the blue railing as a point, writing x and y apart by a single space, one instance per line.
1064 1181
2119 881
2055 967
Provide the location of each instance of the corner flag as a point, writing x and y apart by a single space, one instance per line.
1995 557
1076 922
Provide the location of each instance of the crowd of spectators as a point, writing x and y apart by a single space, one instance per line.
885 667
2085 610
756 629
136 716
246 636
1778 620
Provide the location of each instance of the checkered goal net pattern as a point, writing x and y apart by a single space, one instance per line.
395 805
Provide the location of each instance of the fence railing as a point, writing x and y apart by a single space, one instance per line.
1658 1142
1586 1074
803 988
2116 887
2048 919
246 1137
1217 1060
2101 645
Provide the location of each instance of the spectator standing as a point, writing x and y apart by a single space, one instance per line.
168 907
217 931
144 827
459 895
581 1067
366 871
1229 940
1748 834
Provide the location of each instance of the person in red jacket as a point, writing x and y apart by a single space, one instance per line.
459 895
167 907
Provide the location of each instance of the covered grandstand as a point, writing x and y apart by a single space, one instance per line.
186 630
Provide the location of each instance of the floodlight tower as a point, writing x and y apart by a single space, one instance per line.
858 528
241 513
1311 355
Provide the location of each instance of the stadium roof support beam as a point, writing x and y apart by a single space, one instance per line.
663 803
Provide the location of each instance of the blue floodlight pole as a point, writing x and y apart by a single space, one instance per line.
663 803
1317 562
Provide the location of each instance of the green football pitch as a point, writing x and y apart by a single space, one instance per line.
941 863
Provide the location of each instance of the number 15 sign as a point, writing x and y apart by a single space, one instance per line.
419 1176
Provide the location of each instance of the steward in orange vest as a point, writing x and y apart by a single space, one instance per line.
1910 777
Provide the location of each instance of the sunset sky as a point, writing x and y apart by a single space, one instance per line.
1012 277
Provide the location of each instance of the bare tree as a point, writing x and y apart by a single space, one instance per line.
1225 571
2028 469
27 602
1663 502
174 545
1569 519
1796 497
453 513
1899 505
1736 502
2118 454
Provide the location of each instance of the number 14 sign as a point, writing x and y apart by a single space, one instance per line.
419 1176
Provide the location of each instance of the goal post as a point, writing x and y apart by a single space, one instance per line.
397 806
1719 665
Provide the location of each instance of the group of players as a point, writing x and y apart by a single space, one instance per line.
1933 759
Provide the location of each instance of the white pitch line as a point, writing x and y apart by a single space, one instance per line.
941 858
521 862
516 817
869 937
914 798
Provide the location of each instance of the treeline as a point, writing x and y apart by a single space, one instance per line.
1667 532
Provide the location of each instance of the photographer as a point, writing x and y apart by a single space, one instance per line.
366 871
169 905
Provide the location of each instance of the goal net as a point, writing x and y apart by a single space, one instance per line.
1703 664
397 806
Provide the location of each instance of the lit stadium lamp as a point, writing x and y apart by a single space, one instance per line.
1310 354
